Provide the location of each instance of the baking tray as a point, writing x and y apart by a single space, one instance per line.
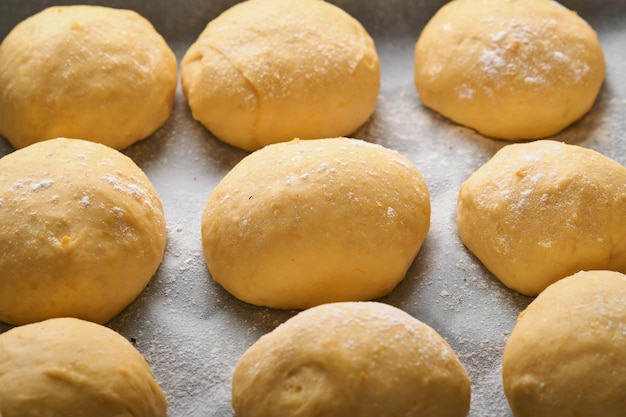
192 332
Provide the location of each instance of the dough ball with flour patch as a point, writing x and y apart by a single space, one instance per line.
301 223
566 355
540 211
268 71
510 69
89 72
362 359
83 232
73 368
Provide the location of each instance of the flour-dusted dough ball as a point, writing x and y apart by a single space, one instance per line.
510 69
83 232
268 71
87 72
567 353
540 211
74 368
358 359
301 223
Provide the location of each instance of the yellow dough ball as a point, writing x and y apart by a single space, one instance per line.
268 71
73 368
362 359
83 232
567 353
301 223
510 69
90 72
540 211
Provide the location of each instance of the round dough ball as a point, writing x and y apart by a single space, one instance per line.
510 69
355 359
268 71
302 223
74 368
90 72
567 353
83 232
540 211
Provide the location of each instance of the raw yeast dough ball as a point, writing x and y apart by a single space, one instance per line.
82 232
567 353
268 71
73 368
301 223
362 359
96 73
510 69
540 211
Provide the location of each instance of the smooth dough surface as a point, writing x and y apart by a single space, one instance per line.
301 223
268 71
566 355
89 72
510 69
83 232
540 211
74 368
356 359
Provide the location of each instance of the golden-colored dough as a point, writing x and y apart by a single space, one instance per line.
73 368
83 232
89 72
566 355
301 223
362 359
540 211
268 71
511 69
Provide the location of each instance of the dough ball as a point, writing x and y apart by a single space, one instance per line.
268 71
540 211
82 232
88 72
301 223
74 368
510 69
567 353
357 359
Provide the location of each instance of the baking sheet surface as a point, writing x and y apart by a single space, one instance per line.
192 332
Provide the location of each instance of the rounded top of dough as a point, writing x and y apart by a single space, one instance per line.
73 368
90 72
566 355
540 211
301 223
268 71
351 359
511 69
83 231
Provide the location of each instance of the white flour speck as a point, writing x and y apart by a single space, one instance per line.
118 212
110 179
535 80
491 62
465 92
499 36
42 185
84 202
560 56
